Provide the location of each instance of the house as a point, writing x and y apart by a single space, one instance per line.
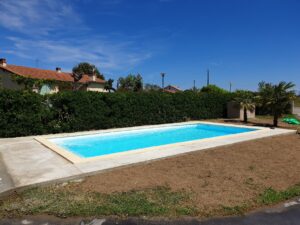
49 81
172 89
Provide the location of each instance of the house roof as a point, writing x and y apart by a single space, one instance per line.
172 89
36 73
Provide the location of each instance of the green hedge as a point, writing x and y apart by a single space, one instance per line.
24 113
21 114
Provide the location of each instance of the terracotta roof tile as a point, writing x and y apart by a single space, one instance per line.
171 89
36 73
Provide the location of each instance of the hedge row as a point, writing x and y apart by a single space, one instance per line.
24 113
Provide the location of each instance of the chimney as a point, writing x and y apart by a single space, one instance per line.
3 62
58 69
93 76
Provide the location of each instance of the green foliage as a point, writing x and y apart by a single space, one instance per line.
235 210
271 196
26 113
276 98
130 83
151 87
109 85
87 68
213 89
22 113
31 83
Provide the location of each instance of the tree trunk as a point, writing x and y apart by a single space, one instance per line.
245 115
275 120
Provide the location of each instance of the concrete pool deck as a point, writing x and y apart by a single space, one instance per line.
26 162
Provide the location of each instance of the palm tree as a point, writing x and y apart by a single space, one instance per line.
275 97
246 101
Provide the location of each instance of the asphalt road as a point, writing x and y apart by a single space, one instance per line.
275 216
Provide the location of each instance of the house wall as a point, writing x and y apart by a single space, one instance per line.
54 89
95 87
7 82
47 89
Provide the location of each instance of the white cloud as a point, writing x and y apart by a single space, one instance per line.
36 16
53 32
108 56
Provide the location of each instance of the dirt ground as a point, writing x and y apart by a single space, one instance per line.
227 175
264 121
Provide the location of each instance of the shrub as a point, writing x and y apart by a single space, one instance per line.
21 113
213 89
24 113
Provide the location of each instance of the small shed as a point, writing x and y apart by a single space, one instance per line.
234 111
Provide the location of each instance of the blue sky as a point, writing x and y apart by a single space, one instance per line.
240 41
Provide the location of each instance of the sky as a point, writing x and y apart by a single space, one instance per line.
239 41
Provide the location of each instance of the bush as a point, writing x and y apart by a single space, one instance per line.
24 113
213 89
21 113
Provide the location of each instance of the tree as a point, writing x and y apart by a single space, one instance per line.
245 99
109 85
151 87
213 88
130 83
275 97
87 68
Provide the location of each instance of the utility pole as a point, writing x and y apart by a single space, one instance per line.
194 88
207 77
163 80
230 86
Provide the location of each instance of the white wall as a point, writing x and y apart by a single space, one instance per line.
96 87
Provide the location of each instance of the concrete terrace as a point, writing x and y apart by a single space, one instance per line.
25 162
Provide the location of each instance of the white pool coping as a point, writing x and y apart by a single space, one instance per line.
169 149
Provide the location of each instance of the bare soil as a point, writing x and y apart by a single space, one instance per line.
263 121
229 175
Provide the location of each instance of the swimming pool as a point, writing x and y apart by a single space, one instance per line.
102 144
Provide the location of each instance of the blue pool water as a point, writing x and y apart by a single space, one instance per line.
87 146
